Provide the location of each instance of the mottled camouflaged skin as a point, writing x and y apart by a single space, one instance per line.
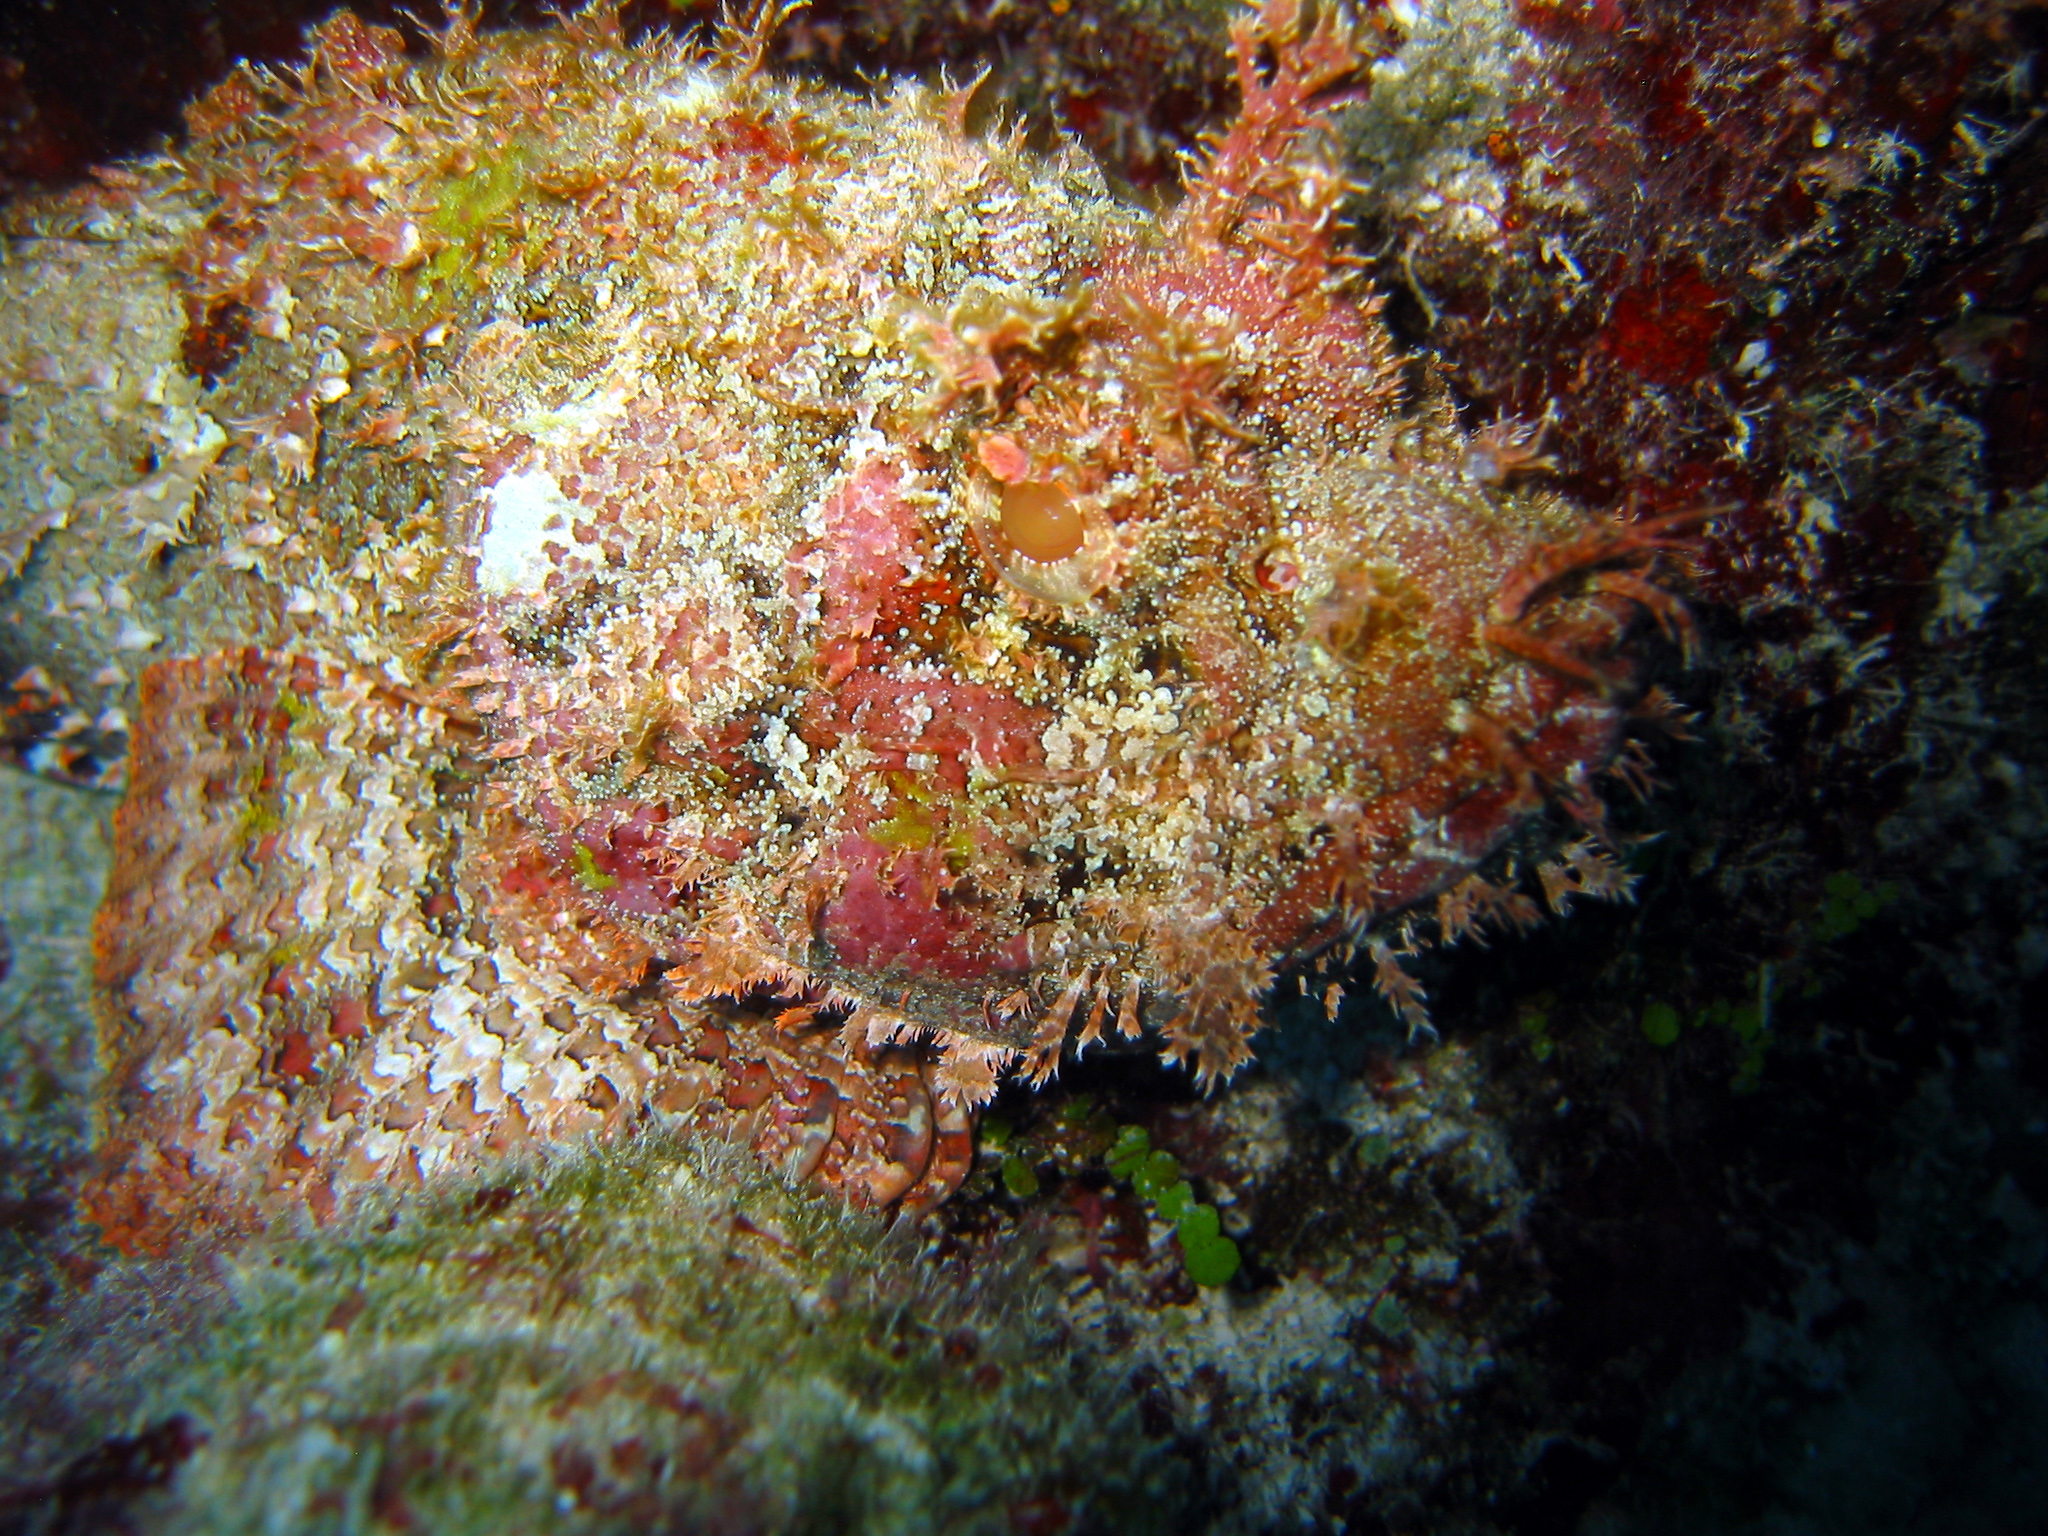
710 539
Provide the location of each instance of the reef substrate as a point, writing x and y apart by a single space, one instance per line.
647 1335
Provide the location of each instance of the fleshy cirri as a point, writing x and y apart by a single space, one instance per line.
867 611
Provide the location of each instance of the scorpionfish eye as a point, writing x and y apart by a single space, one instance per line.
1041 520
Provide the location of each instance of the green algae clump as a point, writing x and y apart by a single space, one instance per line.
1211 1259
1660 1024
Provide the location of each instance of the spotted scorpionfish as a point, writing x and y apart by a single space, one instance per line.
696 593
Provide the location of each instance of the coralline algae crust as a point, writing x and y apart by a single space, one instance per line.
704 537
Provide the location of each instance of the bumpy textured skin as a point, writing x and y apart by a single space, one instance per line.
711 539
315 982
